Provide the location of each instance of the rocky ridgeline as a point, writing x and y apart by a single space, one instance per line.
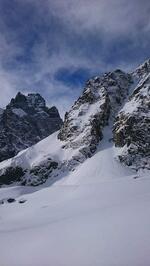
142 71
132 125
24 122
101 98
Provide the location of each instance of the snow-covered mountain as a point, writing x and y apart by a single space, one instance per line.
25 121
116 100
93 208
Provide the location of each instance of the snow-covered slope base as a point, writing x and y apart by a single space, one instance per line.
98 215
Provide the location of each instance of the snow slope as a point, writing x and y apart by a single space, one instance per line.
48 147
98 215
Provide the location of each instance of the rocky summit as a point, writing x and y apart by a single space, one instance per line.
99 102
25 121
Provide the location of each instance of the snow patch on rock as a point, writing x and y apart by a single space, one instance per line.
19 112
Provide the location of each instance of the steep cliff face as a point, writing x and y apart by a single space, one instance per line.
101 98
24 122
132 125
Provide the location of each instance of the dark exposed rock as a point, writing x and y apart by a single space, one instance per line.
7 200
10 200
39 174
10 175
2 202
24 122
21 201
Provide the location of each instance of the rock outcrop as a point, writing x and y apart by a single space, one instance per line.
132 125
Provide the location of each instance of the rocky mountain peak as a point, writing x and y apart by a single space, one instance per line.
25 121
31 101
100 100
142 70
36 101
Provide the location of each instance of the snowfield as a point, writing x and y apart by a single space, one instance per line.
97 215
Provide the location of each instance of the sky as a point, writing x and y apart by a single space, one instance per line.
53 47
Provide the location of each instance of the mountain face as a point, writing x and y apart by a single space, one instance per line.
100 100
24 122
132 124
116 101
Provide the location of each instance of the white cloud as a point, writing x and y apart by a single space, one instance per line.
7 87
106 16
7 80
109 19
